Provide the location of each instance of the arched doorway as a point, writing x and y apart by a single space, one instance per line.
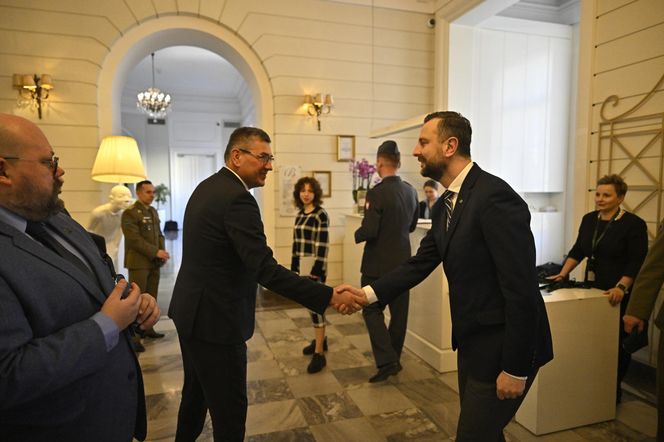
162 32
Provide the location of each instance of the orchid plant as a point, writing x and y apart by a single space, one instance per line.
362 174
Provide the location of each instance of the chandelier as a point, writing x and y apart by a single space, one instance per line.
153 102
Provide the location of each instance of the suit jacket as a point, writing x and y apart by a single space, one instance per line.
224 256
499 320
648 283
390 215
143 237
57 380
423 210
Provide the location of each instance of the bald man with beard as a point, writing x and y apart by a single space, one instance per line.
67 371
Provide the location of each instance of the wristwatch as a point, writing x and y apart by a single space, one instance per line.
622 287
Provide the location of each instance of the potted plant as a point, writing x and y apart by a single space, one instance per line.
362 174
161 194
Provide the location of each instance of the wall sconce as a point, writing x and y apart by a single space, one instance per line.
32 90
118 161
316 106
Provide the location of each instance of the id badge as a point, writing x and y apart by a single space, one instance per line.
591 276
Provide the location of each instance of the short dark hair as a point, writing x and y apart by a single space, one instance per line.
431 183
453 124
241 136
393 159
616 180
141 184
315 186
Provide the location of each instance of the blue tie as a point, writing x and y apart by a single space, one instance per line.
447 200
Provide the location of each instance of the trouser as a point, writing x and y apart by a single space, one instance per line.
660 389
483 416
386 342
215 379
147 280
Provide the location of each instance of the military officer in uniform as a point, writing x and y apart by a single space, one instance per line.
144 246
390 214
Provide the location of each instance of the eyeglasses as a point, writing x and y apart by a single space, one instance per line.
263 158
51 163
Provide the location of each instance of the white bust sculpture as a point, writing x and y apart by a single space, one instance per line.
105 219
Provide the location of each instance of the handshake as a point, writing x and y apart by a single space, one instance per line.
347 299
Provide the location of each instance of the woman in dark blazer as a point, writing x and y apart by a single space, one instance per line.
615 242
431 196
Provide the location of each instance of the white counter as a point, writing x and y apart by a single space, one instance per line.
429 332
578 387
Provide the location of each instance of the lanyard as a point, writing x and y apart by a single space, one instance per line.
596 240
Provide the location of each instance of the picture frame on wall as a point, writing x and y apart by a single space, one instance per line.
345 147
325 180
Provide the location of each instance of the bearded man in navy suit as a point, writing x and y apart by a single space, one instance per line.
481 233
67 370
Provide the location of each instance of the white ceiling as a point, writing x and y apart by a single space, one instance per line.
186 70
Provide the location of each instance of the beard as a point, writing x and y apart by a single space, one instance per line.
432 170
33 204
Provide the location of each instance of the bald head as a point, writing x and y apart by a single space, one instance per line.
17 133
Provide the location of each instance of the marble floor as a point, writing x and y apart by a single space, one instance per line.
338 404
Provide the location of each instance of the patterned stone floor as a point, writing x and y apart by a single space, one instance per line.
338 404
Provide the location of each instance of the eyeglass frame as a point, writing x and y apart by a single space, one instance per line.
52 163
263 158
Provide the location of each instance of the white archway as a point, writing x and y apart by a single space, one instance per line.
162 32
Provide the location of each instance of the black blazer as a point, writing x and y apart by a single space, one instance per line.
224 256
57 380
389 217
498 316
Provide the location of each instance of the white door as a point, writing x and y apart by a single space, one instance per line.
189 169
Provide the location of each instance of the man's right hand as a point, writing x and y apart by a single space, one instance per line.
163 255
122 311
631 322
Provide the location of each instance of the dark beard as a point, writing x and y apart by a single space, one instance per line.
33 205
435 172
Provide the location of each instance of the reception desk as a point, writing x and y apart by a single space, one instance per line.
429 333
579 386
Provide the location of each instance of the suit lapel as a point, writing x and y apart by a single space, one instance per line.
23 242
462 201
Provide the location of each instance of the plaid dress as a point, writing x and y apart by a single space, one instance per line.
310 239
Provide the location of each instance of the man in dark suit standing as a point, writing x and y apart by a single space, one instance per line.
224 256
390 214
67 372
481 233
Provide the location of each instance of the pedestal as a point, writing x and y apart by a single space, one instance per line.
579 386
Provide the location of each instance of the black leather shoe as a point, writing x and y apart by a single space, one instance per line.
317 363
311 348
138 347
385 372
153 334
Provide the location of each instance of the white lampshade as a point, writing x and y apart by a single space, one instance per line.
118 161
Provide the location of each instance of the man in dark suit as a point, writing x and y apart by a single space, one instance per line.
640 307
390 214
67 372
224 256
481 233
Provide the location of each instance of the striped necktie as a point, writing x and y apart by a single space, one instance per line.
447 200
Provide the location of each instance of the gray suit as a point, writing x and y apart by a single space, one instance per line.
390 215
58 382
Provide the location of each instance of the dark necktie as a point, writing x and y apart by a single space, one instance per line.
447 200
39 232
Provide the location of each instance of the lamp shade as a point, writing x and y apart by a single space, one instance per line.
118 161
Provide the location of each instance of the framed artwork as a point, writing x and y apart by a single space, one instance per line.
345 147
288 176
325 180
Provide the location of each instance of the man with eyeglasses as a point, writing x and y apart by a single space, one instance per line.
224 256
67 371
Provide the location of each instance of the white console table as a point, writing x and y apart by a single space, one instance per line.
429 333
579 386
